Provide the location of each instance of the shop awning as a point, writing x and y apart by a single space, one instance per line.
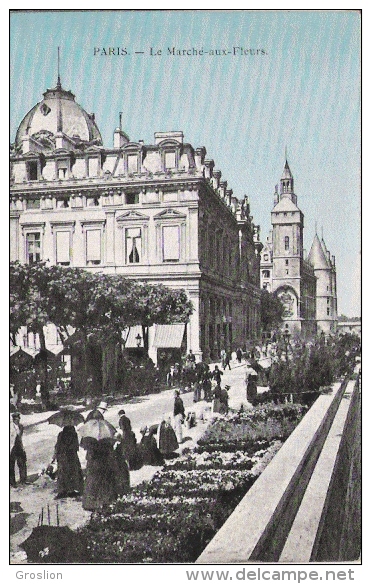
169 336
131 336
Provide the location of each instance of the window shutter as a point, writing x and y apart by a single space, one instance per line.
171 243
93 245
63 246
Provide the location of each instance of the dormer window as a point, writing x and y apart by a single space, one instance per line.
170 161
32 170
62 169
132 163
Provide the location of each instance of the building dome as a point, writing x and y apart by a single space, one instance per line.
59 112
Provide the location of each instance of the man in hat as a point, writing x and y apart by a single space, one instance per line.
17 451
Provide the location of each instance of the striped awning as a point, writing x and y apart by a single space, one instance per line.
169 336
130 336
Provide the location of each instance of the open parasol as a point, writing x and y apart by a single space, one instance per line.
98 429
66 418
55 545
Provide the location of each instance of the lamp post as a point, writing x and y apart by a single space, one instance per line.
286 339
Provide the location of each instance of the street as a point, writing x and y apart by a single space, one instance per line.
39 440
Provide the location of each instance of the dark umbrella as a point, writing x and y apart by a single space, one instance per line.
66 418
55 545
98 429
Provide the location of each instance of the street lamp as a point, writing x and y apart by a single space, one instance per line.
138 339
286 338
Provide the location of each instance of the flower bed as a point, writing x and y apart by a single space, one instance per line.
173 517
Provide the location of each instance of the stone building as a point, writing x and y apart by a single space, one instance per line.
306 286
154 212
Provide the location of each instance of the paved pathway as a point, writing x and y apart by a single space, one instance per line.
40 438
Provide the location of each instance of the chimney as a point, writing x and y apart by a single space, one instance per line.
229 193
120 138
208 168
216 178
222 188
200 154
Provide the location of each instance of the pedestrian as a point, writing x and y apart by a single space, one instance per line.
224 399
216 403
17 451
217 374
170 377
70 481
227 360
179 415
196 391
128 442
102 483
98 412
151 455
239 354
206 385
223 357
191 358
166 438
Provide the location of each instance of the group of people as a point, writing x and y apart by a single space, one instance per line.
108 460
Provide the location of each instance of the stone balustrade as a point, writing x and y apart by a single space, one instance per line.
305 505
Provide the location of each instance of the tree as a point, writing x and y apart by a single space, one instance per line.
271 310
89 310
158 304
29 307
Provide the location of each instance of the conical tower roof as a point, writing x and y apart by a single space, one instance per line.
317 255
286 171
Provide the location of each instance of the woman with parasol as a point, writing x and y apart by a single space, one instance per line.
102 482
70 479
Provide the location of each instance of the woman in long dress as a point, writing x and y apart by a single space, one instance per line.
148 447
70 479
102 483
166 437
129 446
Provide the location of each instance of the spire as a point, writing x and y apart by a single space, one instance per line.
287 180
59 85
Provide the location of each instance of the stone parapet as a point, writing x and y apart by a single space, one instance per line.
284 508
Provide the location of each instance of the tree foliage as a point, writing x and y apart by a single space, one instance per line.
271 310
313 365
94 308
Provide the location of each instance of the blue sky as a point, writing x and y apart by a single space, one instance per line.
303 94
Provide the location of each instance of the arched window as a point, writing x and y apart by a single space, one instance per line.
287 243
